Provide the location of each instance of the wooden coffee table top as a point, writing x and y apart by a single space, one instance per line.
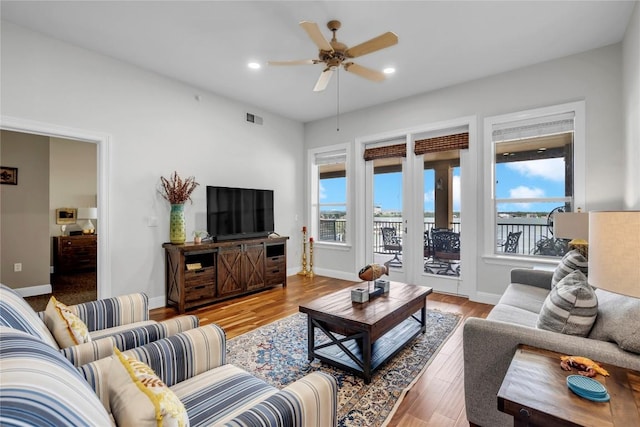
339 304
535 391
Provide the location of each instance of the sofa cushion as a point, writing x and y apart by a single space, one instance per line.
571 307
139 398
529 298
571 261
618 320
220 394
41 387
515 315
16 313
65 326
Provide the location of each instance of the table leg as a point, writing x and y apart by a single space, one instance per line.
423 312
311 336
366 357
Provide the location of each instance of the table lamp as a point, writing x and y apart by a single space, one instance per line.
574 226
88 214
614 258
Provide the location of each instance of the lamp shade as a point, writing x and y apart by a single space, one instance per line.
87 213
571 225
614 251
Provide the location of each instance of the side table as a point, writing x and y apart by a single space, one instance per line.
535 392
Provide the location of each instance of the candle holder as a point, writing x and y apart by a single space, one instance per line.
310 272
303 272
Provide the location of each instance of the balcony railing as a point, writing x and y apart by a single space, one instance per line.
534 240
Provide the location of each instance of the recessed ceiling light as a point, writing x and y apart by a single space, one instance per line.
254 65
389 70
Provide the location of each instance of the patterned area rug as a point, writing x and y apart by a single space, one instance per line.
277 353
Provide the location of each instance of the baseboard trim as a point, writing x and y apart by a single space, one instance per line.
157 302
337 274
487 298
32 291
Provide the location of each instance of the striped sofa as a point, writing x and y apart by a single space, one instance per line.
121 322
40 387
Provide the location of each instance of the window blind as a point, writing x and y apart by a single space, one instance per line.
458 141
331 157
385 152
531 128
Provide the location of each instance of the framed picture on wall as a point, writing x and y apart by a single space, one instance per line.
66 215
8 175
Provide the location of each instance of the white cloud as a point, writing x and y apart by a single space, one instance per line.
524 192
322 192
429 196
550 169
456 193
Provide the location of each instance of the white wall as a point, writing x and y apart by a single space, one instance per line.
156 125
594 76
631 99
24 211
73 180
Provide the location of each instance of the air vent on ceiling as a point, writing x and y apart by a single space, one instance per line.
252 118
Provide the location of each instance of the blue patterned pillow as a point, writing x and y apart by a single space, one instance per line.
41 388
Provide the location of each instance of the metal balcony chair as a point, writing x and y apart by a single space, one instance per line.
510 245
427 251
392 243
446 251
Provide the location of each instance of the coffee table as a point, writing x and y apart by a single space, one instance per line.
535 392
362 336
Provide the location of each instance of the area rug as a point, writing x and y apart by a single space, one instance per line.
70 289
277 353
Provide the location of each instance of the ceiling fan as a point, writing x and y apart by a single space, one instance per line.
333 54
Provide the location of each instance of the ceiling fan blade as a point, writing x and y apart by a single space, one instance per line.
323 81
315 34
365 72
382 41
294 62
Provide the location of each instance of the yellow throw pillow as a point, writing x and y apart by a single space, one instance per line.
138 398
66 327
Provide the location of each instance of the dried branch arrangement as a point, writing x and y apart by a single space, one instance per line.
176 190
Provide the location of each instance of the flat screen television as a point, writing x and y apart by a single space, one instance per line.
239 213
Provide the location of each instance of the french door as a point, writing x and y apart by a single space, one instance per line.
414 200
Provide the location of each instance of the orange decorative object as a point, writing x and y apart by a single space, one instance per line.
585 366
373 271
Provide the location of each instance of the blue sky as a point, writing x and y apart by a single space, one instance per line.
535 178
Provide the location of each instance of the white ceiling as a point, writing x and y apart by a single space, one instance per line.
208 44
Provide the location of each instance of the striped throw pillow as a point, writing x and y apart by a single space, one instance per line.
571 261
571 307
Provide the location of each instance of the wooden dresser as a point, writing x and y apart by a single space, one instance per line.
74 254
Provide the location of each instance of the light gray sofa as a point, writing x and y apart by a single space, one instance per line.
489 344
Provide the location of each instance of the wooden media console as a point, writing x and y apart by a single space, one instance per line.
203 273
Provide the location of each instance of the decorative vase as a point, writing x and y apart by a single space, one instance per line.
177 225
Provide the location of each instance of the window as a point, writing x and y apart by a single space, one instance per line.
534 175
330 210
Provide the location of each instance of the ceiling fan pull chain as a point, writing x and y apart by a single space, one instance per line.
338 102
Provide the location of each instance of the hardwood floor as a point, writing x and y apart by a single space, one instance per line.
437 398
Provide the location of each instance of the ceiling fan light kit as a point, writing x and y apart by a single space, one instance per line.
333 53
